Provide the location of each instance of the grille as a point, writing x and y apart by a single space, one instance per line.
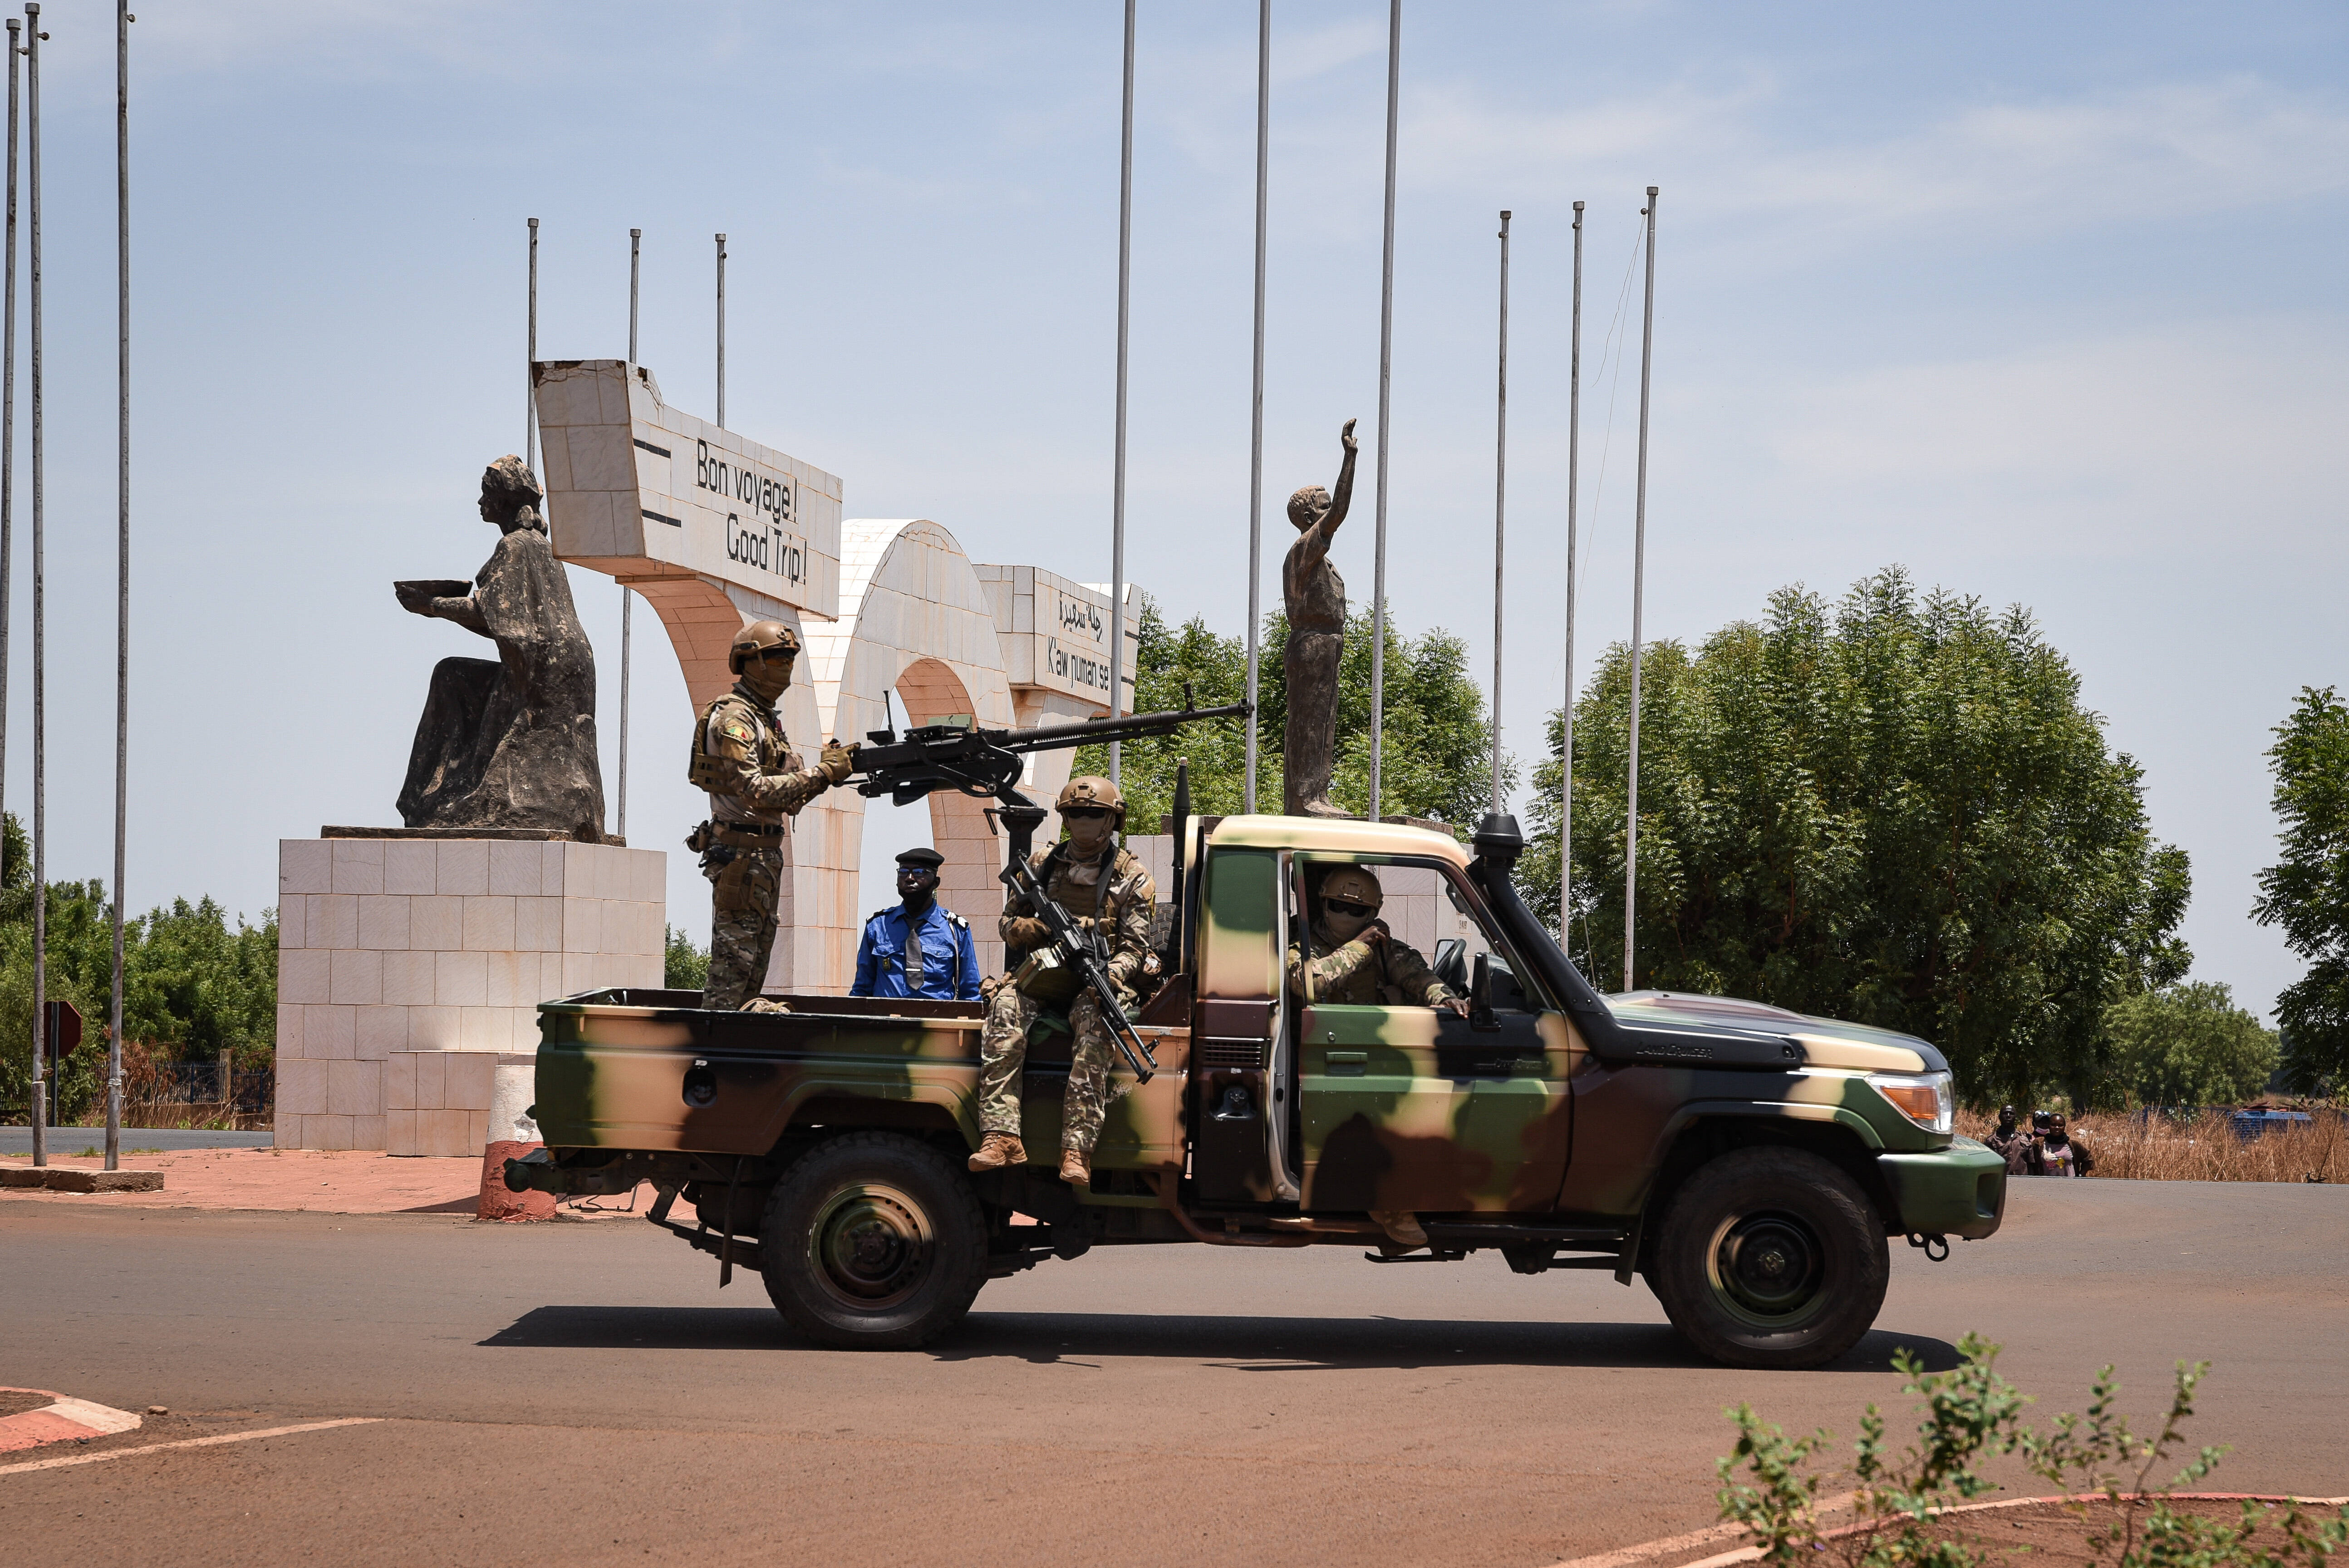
1243 1053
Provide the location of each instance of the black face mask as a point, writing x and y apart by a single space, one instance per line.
916 895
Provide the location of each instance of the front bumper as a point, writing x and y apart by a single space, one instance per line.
1957 1192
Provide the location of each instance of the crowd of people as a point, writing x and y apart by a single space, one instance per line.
2046 1147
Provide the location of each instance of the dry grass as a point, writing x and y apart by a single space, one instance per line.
2204 1148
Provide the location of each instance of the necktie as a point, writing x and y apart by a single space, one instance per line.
913 954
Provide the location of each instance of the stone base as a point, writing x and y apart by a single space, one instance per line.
444 947
67 1178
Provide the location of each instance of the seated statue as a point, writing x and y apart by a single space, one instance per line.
509 741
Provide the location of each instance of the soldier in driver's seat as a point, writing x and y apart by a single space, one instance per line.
1358 960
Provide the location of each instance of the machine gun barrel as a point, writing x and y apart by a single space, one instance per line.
1133 726
985 762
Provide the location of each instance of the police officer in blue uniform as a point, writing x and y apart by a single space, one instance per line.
919 949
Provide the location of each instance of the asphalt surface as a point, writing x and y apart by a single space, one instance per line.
73 1141
583 1392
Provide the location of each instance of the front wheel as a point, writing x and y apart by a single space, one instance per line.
874 1242
1771 1258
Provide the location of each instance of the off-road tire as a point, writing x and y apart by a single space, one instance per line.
874 1242
1771 1258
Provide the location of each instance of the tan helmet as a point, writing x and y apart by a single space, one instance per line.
761 640
1354 884
1093 790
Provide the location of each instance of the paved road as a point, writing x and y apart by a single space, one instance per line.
583 1394
73 1141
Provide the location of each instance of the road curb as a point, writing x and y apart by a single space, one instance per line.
63 1419
66 1178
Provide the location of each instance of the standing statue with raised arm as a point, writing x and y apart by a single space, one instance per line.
1316 599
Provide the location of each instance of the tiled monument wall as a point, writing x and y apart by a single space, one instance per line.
387 947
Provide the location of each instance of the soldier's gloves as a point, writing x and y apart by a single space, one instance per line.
989 986
835 761
1020 932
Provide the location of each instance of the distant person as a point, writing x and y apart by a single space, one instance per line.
2063 1154
2010 1142
918 947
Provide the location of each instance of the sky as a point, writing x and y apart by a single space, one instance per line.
2043 303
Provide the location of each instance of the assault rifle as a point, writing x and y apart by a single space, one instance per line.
987 763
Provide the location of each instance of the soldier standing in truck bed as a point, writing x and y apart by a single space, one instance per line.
756 784
1101 886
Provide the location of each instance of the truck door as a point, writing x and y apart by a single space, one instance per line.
1407 1106
1240 1065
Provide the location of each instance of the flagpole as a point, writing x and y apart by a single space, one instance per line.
1573 490
627 595
1256 405
1500 504
1117 498
1639 585
122 567
40 579
530 359
1386 368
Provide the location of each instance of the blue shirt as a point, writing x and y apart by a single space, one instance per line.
949 958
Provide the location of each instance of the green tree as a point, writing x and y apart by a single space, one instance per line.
685 964
2189 1046
2306 892
1437 760
1892 810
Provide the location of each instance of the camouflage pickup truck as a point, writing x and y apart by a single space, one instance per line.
1750 1164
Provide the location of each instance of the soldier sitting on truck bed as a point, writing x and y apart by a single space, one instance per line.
1103 887
1359 962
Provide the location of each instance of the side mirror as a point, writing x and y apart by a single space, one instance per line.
1480 996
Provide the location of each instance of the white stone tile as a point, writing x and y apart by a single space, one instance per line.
410 865
327 1132
400 1081
292 920
301 1087
431 1029
443 1132
538 925
379 1032
480 1029
436 923
460 980
359 865
355 976
582 925
355 1088
329 1032
489 924
289 1029
334 921
470 1076
408 979
555 858
367 1133
303 974
305 865
463 866
383 922
399 1133
515 868
502 988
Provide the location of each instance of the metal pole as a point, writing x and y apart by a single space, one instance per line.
1256 406
1386 365
530 359
627 597
722 331
9 460
122 565
40 583
1638 584
1500 505
1117 499
1573 489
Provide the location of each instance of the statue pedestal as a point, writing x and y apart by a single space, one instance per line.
394 947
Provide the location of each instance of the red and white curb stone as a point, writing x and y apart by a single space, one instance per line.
61 1420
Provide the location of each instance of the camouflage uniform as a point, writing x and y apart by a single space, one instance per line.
741 756
1122 903
1364 973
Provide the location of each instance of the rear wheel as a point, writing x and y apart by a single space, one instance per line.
874 1242
1771 1258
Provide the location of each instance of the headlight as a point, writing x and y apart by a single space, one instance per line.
1924 1098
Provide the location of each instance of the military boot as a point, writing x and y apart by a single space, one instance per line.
1402 1226
1076 1169
997 1150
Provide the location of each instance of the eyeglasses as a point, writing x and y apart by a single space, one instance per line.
1083 813
1348 907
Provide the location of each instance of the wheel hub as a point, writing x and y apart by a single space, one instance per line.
1769 1265
871 1245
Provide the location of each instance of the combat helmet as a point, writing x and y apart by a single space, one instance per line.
761 640
1091 790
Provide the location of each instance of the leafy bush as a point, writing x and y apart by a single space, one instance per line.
1969 1417
685 967
2189 1046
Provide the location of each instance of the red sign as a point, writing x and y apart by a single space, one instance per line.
64 1032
